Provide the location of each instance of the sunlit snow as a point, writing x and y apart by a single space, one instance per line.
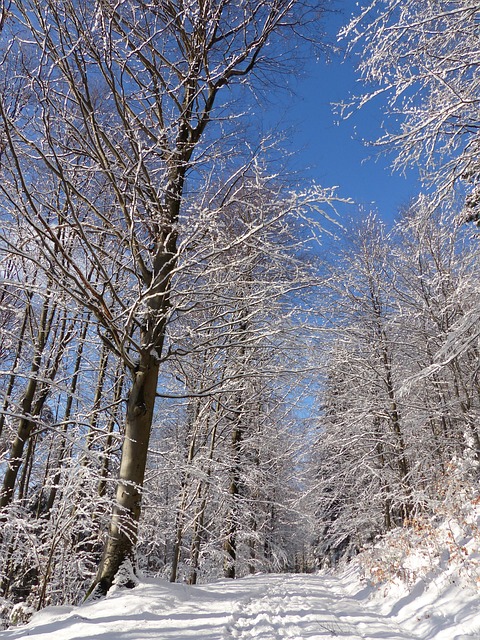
266 607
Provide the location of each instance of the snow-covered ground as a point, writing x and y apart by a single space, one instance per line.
267 607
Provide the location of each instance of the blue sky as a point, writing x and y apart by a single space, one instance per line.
330 150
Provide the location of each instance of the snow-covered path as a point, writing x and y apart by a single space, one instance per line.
264 607
301 607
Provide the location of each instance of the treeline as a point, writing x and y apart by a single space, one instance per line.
399 425
400 405
309 402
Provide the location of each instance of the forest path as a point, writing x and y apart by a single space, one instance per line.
261 607
306 607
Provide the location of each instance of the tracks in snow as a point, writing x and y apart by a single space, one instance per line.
261 607
307 608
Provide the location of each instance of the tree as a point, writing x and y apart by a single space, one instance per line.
399 399
121 106
424 56
366 460
437 290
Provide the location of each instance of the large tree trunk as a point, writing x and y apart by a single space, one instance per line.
122 535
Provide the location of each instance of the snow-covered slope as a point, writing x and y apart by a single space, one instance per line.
323 606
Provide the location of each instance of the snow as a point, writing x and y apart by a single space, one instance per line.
324 606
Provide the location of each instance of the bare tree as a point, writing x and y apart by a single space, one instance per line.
395 417
118 102
363 446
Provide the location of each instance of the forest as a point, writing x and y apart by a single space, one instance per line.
208 366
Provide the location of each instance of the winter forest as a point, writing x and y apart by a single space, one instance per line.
208 366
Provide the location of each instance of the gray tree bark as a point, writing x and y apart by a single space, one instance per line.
122 534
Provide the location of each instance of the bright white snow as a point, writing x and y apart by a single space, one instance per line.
265 607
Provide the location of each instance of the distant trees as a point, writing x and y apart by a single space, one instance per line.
48 378
221 487
400 400
369 466
241 354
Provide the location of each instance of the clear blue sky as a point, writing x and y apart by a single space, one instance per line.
330 150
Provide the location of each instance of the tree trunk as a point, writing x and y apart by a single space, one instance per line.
26 424
13 375
230 543
117 394
399 444
184 490
382 471
197 539
102 372
198 528
122 536
66 419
